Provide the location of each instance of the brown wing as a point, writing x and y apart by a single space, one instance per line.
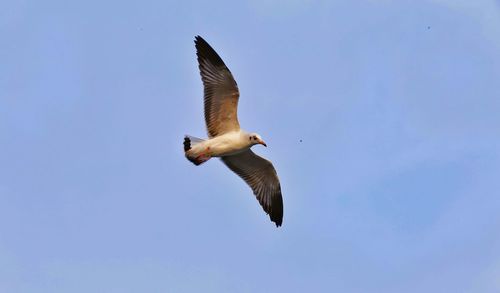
260 174
220 91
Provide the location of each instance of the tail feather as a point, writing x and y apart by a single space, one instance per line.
190 141
196 156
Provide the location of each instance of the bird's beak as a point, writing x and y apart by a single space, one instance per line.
263 143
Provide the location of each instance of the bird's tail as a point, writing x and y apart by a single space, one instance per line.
194 150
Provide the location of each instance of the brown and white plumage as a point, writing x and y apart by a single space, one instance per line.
261 176
220 91
227 140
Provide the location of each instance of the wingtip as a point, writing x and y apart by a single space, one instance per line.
276 219
198 39
276 212
277 222
205 52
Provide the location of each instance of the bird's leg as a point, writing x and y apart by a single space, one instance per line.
205 155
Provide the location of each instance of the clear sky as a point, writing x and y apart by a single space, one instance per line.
382 119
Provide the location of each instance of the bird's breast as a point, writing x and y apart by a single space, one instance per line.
226 145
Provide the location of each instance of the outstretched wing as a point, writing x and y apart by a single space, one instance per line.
220 91
260 174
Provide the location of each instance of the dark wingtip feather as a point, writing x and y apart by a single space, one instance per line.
276 213
198 39
205 52
277 219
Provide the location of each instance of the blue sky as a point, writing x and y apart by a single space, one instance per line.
394 187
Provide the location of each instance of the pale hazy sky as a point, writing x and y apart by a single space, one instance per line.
394 187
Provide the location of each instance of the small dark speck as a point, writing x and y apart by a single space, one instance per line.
301 140
428 27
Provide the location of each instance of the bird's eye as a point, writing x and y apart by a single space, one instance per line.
255 137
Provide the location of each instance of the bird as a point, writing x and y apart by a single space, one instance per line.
226 140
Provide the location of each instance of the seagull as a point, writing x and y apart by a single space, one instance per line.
226 139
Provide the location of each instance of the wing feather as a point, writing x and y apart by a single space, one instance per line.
220 91
261 176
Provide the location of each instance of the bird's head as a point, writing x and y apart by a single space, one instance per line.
254 138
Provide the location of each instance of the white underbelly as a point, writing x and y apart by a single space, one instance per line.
225 146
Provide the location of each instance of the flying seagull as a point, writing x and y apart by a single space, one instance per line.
226 139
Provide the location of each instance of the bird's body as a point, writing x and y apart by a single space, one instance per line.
227 144
226 139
